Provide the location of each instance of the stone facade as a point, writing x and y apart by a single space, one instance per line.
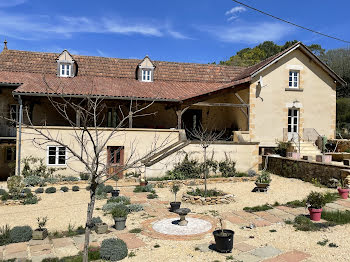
198 200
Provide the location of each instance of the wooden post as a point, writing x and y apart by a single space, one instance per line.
179 114
130 119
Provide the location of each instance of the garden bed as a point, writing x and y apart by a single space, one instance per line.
198 181
214 200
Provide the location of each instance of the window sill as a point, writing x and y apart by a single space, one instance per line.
294 89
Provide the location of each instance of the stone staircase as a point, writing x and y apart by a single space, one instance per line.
307 149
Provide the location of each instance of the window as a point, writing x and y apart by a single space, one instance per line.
147 75
112 117
10 154
115 155
14 112
293 79
56 155
65 70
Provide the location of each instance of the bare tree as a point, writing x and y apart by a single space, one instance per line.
206 137
87 145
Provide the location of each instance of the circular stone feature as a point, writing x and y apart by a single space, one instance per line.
169 226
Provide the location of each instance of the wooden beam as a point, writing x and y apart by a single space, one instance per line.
220 104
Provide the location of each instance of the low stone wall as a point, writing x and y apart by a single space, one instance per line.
196 182
226 199
305 170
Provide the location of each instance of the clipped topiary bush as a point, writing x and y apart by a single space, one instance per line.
50 190
64 189
30 200
113 249
75 188
135 207
39 190
70 178
26 191
108 189
84 176
2 192
96 220
21 234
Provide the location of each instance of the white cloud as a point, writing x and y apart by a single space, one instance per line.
10 3
233 12
41 27
249 33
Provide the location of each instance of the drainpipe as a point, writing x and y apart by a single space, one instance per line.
19 135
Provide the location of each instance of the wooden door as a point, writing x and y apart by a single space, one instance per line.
115 160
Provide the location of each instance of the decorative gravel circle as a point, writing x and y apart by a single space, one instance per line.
169 226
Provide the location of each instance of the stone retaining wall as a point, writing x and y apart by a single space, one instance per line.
195 182
305 170
226 199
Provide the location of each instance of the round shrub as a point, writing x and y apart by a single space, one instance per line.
64 189
21 234
113 249
26 191
32 180
70 178
30 200
96 220
135 207
2 192
39 190
75 188
5 196
84 176
119 199
50 190
108 189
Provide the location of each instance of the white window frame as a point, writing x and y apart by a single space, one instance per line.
295 75
146 74
56 156
64 70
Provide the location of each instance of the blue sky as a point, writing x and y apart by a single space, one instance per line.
182 30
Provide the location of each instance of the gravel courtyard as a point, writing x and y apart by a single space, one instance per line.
63 209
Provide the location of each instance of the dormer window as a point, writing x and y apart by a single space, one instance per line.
146 70
147 75
65 65
65 70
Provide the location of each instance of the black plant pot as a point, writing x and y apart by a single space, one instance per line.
223 241
174 206
115 193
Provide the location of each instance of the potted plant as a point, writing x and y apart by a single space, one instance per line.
40 233
115 192
315 202
263 180
119 214
223 239
99 226
343 188
175 205
143 182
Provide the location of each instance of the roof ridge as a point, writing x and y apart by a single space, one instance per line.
130 59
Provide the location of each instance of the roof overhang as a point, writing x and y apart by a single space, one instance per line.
308 53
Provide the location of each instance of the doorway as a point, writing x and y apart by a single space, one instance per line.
293 124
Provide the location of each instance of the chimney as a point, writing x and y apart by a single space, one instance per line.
5 45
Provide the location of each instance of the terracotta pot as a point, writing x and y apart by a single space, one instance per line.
315 214
143 183
343 192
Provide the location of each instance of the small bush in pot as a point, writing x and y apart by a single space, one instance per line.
223 239
119 214
41 232
99 226
50 190
115 192
21 234
343 189
315 202
263 180
175 205
75 188
113 249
